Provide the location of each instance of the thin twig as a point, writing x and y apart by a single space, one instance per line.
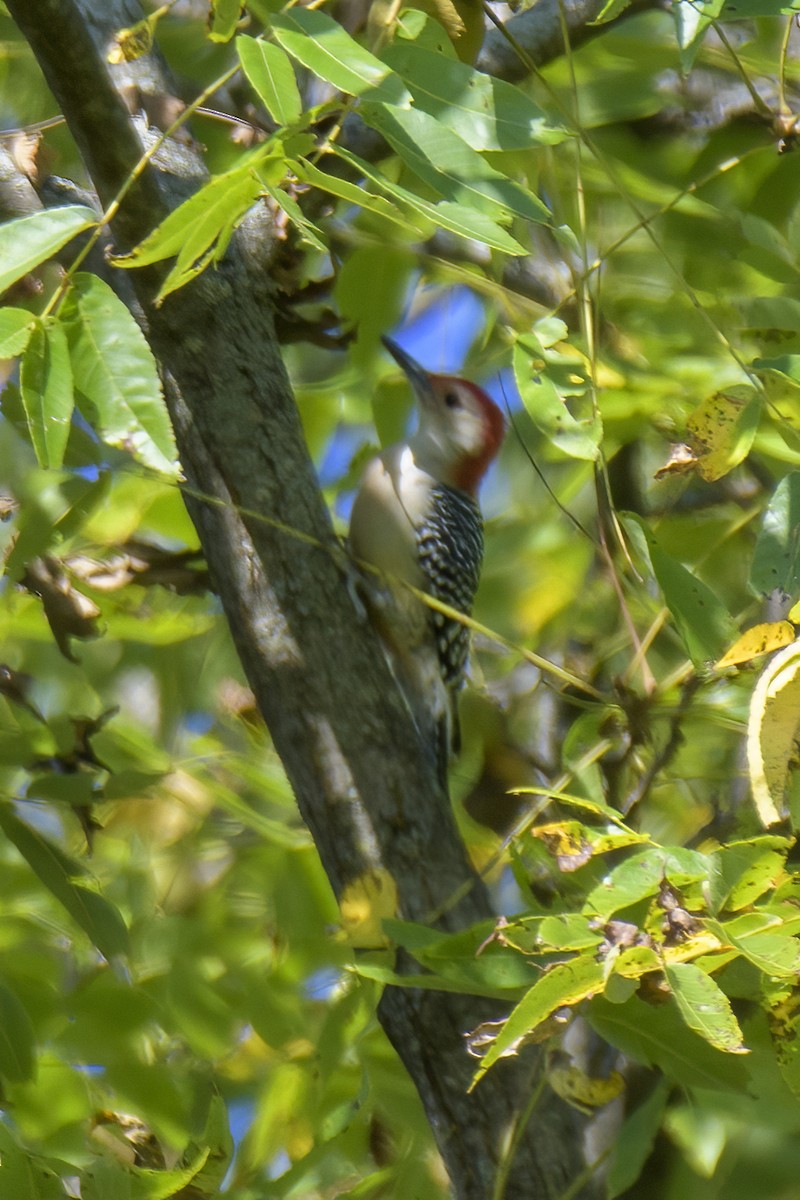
665 755
520 1125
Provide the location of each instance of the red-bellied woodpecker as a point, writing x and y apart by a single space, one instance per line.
416 518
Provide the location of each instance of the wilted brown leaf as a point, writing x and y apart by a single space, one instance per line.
69 613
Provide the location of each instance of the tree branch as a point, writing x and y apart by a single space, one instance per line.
539 33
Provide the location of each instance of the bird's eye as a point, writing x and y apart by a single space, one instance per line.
452 400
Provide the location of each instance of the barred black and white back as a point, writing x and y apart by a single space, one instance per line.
451 554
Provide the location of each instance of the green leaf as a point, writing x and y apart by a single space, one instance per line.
352 193
704 1007
216 1142
74 788
370 291
456 217
630 964
766 238
634 1142
700 1134
46 390
25 1176
225 18
641 875
776 558
549 412
305 228
691 23
322 45
562 985
281 833
703 622
204 1018
495 974
271 73
465 222
53 507
787 365
489 114
94 914
493 970
29 241
374 1185
784 1026
549 331
165 628
16 327
655 1035
16 1039
199 230
108 1179
610 10
742 871
116 379
771 313
414 937
591 806
428 982
740 10
568 931
446 163
757 936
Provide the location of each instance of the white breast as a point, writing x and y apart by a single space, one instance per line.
391 503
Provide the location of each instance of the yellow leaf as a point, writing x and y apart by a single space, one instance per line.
759 639
607 377
772 732
721 430
448 15
130 44
463 23
564 841
582 1091
364 904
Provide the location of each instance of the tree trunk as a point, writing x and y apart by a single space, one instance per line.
351 753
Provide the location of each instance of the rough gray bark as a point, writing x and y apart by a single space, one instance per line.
539 33
361 778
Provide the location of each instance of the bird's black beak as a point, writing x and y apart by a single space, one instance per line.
419 378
